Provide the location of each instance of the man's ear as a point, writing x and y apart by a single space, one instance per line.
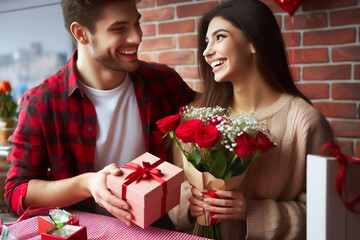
79 33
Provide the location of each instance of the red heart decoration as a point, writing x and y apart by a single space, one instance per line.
289 6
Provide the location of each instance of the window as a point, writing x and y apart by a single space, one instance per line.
34 43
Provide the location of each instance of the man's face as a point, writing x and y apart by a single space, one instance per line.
117 35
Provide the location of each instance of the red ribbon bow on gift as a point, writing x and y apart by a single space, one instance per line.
147 171
213 195
340 180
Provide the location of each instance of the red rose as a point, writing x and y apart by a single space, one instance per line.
169 123
263 142
216 120
5 87
245 145
186 129
207 137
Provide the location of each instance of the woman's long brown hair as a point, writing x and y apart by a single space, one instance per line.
260 27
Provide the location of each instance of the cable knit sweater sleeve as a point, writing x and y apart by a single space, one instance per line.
286 219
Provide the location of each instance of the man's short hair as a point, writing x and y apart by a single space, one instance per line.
85 12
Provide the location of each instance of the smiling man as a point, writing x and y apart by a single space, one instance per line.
98 113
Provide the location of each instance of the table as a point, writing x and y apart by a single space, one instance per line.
100 227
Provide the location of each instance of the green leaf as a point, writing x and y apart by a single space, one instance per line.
195 157
59 225
227 175
219 165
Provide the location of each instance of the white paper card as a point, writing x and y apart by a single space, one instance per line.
326 217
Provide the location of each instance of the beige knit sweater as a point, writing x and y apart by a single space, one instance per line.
275 183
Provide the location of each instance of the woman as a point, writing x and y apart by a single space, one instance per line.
243 65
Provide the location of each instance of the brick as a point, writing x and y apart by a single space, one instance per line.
296 74
188 72
315 90
349 91
357 71
177 27
312 55
187 41
174 57
327 4
158 43
279 20
306 21
157 14
350 53
345 17
335 36
357 149
148 29
195 9
329 72
346 146
273 6
145 3
345 128
334 109
147 57
288 39
198 86
190 84
165 2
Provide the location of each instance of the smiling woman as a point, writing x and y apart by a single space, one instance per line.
244 68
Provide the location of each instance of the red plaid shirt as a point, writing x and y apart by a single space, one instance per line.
56 134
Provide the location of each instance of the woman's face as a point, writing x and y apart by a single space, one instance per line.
227 51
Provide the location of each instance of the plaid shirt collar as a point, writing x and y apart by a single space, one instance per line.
71 78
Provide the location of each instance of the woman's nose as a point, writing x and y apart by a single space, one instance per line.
209 51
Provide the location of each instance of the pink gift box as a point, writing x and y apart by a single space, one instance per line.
45 223
146 197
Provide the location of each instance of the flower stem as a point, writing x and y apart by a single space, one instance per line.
232 161
172 135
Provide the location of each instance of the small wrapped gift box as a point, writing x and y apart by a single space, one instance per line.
45 223
74 231
326 215
151 187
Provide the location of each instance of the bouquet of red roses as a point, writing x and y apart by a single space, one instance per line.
218 148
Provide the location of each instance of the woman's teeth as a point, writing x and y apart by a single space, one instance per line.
217 63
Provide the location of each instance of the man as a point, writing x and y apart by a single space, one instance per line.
96 114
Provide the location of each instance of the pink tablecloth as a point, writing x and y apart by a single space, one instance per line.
100 227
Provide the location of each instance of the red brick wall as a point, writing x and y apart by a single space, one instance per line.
327 52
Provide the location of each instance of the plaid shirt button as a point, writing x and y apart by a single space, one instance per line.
91 129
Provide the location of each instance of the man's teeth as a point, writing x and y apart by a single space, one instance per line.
128 52
217 63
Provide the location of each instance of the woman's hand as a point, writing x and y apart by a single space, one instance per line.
230 205
196 203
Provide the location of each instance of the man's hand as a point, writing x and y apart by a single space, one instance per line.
104 197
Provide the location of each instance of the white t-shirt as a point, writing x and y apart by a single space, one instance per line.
119 130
